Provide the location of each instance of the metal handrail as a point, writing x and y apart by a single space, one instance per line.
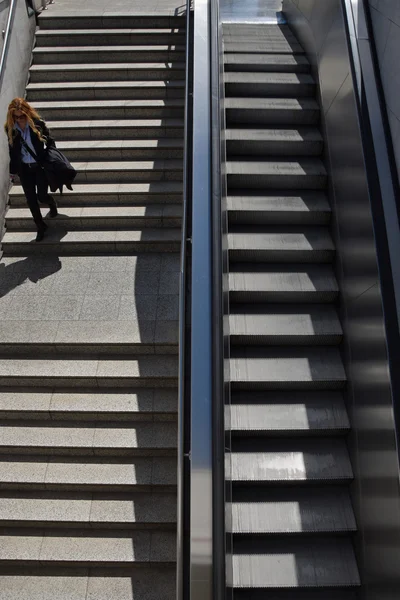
184 329
7 34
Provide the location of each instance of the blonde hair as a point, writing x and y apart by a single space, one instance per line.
30 113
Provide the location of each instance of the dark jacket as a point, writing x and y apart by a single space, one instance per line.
40 148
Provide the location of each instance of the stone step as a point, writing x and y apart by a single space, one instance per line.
111 194
143 371
88 511
91 217
61 241
108 72
85 474
293 511
265 63
109 20
274 85
282 283
284 325
134 439
302 141
281 208
270 111
105 90
118 129
112 150
141 404
151 583
267 244
295 564
269 368
93 338
288 413
129 171
279 173
109 37
101 549
104 109
51 55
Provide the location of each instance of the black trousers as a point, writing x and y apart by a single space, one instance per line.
35 186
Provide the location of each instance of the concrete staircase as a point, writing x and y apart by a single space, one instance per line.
292 516
88 331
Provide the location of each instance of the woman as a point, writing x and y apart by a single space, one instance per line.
27 137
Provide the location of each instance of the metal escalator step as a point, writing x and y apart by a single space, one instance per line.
286 207
259 413
278 85
263 244
266 63
262 46
257 141
270 111
289 461
286 368
282 283
298 564
292 511
289 594
282 325
279 173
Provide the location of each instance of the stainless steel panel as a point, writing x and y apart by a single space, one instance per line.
201 508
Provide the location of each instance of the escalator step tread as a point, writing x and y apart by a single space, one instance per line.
253 412
296 564
289 511
289 461
284 324
294 367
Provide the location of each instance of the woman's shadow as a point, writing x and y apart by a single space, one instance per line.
32 268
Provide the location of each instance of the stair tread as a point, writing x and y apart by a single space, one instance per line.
249 321
116 235
306 201
290 460
87 473
298 564
268 366
100 439
153 211
259 412
307 238
271 78
101 32
176 83
144 403
170 102
135 547
288 279
47 509
156 187
92 370
84 125
108 48
299 134
136 66
292 510
240 58
284 167
272 103
153 583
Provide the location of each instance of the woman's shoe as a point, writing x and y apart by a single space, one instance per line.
40 233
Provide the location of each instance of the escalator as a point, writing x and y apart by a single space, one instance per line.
292 517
